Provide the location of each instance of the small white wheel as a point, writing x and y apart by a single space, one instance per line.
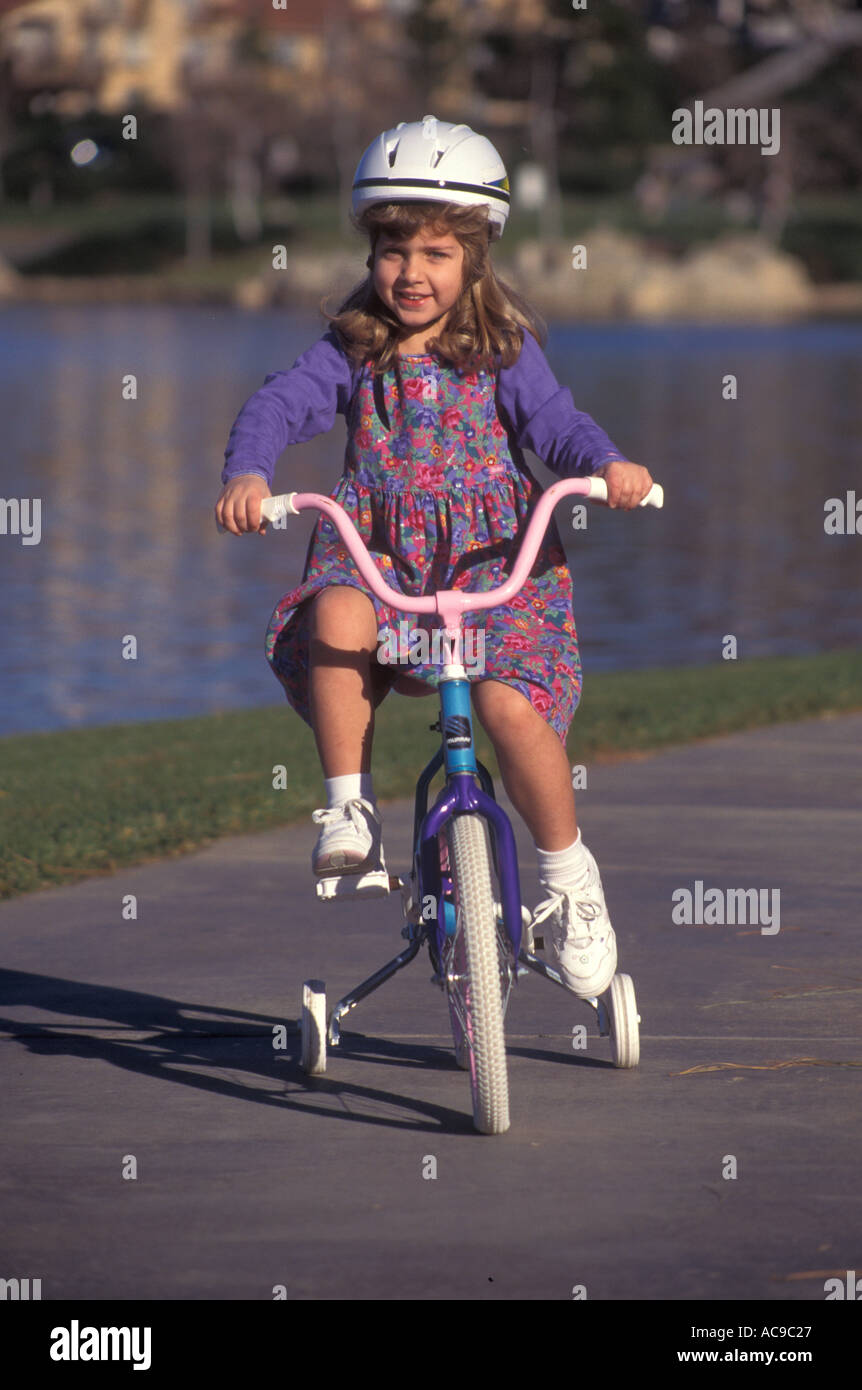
314 1027
624 1019
478 987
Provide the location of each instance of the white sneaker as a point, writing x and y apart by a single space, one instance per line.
349 840
583 938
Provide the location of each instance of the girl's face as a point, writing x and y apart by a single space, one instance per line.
419 280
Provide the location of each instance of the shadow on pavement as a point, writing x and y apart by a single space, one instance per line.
170 1052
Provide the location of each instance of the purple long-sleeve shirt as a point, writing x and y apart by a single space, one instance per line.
294 406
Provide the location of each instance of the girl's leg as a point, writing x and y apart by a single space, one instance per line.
535 770
345 685
533 762
342 695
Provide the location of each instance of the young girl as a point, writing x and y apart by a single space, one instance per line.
437 366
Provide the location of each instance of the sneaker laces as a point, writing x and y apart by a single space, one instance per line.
587 909
351 809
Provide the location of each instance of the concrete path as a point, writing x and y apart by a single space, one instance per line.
151 1041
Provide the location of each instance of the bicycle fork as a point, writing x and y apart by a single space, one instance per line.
461 795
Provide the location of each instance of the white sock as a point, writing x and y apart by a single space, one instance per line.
563 866
348 787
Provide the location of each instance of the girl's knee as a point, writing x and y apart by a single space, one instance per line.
501 708
341 614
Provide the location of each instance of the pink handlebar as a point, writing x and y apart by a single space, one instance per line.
449 603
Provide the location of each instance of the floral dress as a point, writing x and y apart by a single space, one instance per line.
432 488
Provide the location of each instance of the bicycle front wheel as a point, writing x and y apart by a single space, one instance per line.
473 976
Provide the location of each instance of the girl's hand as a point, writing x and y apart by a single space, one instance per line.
238 506
628 483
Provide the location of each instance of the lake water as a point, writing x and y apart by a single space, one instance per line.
129 546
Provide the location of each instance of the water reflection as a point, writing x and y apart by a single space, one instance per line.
128 486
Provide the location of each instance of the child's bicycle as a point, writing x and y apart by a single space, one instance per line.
463 899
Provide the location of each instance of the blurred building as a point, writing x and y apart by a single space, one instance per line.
111 54
763 23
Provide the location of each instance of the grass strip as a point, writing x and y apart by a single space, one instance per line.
85 802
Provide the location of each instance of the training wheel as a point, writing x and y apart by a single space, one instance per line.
624 1020
314 1027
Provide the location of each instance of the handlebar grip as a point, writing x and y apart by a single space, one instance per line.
271 509
599 493
274 508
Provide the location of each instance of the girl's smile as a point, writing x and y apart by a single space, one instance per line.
420 280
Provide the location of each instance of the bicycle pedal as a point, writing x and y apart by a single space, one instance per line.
376 884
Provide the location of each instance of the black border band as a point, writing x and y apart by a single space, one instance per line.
486 191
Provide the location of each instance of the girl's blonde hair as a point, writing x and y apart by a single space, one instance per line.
489 318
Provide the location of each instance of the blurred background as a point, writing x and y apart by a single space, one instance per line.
251 118
154 152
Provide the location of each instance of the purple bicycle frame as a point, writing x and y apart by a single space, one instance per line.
461 795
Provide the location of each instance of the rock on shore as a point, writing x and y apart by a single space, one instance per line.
735 277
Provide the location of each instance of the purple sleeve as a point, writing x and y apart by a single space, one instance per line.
540 415
290 408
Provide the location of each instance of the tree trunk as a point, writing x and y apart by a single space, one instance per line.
245 190
198 228
543 133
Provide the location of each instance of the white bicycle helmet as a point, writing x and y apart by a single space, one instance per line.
433 160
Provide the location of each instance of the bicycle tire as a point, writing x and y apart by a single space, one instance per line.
475 952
